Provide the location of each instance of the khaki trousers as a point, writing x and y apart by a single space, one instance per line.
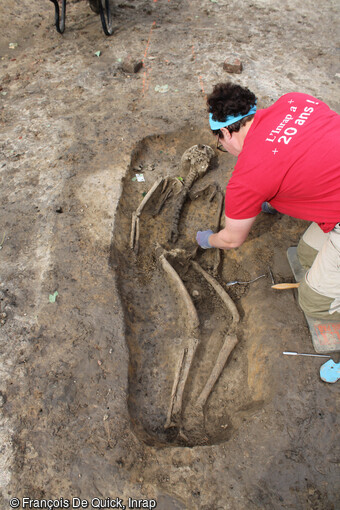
319 291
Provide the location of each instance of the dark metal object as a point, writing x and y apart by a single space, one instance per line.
234 282
60 22
101 7
105 16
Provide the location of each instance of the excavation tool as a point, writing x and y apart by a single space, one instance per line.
271 275
283 286
288 353
329 371
234 282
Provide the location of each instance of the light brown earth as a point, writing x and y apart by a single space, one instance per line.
86 380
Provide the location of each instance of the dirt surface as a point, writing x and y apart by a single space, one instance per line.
86 374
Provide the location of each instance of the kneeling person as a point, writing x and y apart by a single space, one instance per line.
288 156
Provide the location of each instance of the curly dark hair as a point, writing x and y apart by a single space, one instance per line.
230 99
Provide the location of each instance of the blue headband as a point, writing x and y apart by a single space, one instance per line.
214 124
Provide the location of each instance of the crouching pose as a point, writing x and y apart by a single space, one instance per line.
288 159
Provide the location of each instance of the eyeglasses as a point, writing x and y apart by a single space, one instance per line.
219 146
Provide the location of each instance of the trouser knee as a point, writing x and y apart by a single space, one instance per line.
306 254
316 305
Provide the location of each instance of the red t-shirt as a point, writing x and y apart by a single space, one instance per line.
290 158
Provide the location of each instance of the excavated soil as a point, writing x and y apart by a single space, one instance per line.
91 331
155 313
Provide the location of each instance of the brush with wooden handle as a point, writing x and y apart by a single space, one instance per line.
283 286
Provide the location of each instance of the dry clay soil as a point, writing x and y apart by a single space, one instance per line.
86 380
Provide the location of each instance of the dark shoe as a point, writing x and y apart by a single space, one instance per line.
267 208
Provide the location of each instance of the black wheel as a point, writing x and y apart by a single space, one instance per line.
60 20
105 16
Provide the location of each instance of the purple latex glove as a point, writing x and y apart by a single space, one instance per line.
203 238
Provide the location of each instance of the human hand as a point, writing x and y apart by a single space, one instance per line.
202 237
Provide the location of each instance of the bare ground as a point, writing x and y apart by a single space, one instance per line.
86 380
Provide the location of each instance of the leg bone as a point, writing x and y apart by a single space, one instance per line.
182 372
175 408
228 345
229 303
